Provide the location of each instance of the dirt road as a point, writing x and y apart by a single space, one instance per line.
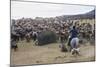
28 54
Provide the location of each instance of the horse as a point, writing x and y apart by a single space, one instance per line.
28 37
75 46
14 45
63 37
14 40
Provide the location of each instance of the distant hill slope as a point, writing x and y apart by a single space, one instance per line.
88 15
91 12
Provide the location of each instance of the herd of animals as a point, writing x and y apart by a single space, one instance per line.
28 29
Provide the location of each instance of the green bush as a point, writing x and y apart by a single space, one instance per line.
46 37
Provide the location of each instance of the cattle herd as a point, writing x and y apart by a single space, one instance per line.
29 29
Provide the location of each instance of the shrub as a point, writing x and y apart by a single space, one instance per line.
46 37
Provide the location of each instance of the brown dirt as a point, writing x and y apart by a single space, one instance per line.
28 54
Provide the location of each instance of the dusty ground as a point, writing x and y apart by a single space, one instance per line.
28 54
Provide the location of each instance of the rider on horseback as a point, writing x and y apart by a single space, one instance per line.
74 40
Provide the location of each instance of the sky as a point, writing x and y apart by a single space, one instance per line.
33 9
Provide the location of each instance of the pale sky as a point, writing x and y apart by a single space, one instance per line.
32 9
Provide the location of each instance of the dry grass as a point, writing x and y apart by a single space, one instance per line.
28 54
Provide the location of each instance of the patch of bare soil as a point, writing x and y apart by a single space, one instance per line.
29 54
